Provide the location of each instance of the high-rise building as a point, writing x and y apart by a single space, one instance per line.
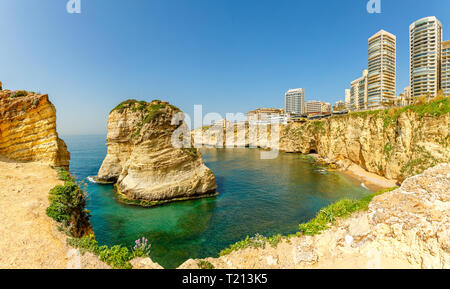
425 36
347 98
294 101
445 70
358 92
382 76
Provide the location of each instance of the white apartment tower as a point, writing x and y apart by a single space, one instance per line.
347 98
425 36
445 71
382 69
358 92
294 101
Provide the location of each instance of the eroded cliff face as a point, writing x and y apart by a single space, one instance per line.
395 143
405 228
28 129
394 147
142 161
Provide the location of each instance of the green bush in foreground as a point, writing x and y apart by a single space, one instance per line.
326 217
118 257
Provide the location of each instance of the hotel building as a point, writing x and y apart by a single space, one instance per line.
264 114
425 57
382 71
445 71
294 101
358 92
315 106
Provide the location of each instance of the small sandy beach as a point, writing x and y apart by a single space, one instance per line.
372 181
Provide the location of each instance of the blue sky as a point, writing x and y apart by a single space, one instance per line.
228 55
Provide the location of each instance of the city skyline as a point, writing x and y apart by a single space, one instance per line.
226 57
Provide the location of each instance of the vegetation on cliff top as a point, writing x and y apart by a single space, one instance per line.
324 220
150 111
150 108
436 108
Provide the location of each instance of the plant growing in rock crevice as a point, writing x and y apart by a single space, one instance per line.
205 265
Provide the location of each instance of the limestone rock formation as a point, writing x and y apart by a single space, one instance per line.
142 161
405 228
396 147
395 144
28 129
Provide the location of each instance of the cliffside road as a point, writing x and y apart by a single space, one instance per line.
29 239
406 228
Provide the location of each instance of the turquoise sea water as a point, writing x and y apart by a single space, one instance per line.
256 196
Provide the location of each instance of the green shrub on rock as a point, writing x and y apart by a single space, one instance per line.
118 257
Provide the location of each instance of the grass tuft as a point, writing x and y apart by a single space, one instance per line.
341 209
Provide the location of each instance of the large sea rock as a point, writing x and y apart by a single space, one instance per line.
141 160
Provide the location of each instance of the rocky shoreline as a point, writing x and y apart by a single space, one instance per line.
405 228
394 144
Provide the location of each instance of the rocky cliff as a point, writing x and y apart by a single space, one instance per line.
405 228
395 143
28 129
142 161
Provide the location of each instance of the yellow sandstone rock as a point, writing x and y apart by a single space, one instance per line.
28 129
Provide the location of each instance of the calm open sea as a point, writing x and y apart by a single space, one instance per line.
256 196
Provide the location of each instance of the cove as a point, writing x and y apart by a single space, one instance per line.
256 196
